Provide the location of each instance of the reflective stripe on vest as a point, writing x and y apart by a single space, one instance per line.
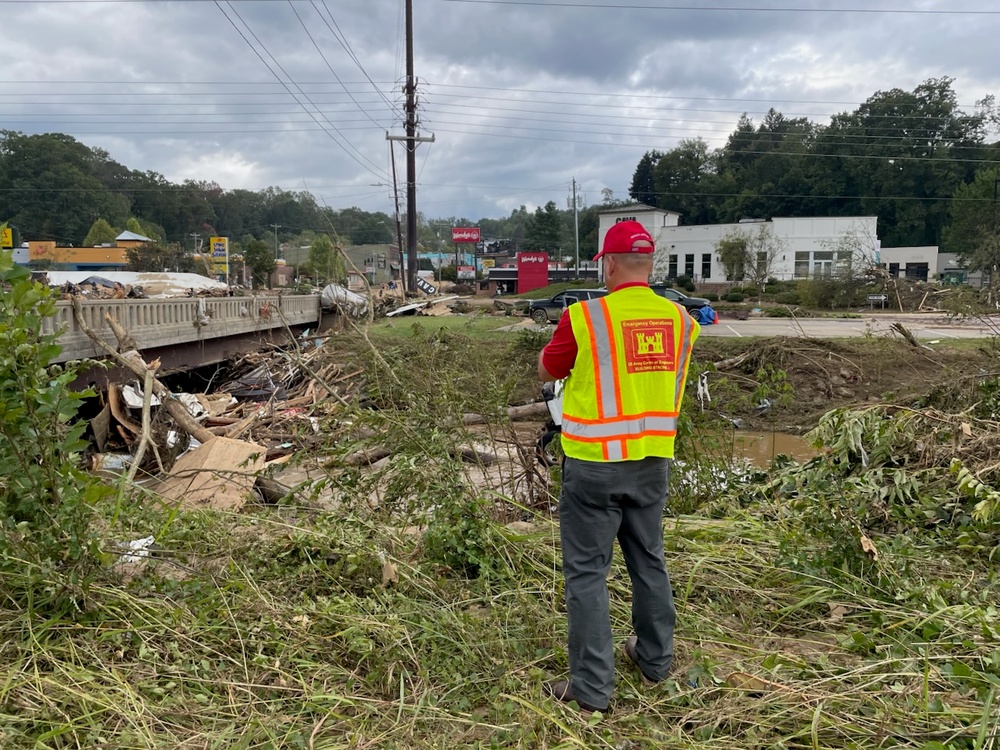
624 429
683 355
603 346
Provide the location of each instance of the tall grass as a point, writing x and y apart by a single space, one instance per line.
344 624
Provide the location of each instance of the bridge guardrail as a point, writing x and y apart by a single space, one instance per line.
165 322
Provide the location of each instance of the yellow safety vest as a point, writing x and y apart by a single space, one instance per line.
623 396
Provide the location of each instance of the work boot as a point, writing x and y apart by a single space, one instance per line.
633 657
561 691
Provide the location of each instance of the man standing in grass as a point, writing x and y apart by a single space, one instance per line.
625 357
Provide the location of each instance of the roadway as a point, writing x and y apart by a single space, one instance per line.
925 326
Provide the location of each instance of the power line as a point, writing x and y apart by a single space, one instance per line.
287 88
733 9
327 62
342 39
883 157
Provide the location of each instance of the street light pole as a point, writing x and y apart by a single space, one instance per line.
576 231
276 227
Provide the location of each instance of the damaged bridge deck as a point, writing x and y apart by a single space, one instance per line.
184 332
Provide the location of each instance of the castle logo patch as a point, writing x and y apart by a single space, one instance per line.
649 345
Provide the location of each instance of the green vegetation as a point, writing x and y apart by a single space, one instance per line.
845 602
48 553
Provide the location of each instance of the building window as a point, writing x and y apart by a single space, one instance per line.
894 270
801 265
917 271
672 267
706 266
689 265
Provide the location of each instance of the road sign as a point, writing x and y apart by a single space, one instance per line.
426 287
7 237
878 297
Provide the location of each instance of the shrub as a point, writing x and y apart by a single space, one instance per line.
749 291
733 297
787 298
711 296
47 551
818 292
777 312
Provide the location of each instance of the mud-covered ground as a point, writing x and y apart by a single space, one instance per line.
825 374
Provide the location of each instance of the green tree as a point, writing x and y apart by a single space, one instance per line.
326 265
545 230
100 233
50 189
259 257
748 253
975 223
146 229
643 187
156 257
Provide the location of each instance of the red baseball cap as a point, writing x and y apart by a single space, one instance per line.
625 237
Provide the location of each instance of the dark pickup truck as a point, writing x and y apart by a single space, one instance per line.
549 310
689 303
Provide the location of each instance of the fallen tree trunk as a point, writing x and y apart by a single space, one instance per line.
272 490
906 334
132 360
728 364
514 413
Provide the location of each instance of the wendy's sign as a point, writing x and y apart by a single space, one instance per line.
532 271
465 234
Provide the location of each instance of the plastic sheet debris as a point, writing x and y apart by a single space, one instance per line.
132 395
336 297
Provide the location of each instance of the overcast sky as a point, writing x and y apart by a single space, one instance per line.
521 97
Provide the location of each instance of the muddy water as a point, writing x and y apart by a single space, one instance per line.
760 448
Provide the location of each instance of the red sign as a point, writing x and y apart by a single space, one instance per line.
532 271
465 234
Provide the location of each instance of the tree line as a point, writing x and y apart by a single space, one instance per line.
914 159
53 187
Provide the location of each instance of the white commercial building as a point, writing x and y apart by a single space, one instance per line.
803 247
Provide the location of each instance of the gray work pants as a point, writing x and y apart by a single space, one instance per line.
599 502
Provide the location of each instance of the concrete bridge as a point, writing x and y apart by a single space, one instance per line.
186 332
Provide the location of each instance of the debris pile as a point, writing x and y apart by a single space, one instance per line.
132 285
271 406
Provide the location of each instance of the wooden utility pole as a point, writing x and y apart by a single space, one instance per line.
411 139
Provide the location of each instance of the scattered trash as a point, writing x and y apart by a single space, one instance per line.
138 549
111 463
132 395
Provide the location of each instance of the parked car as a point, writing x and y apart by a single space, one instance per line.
689 303
550 310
